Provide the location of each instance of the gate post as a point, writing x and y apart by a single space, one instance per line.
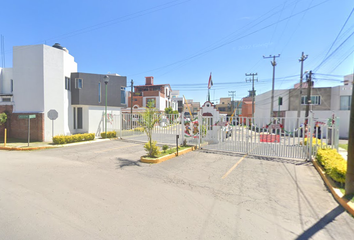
200 120
182 125
309 136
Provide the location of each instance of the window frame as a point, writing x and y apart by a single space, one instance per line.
348 103
77 85
67 83
316 98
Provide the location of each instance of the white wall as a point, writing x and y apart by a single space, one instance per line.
262 103
39 84
58 64
6 74
96 119
28 78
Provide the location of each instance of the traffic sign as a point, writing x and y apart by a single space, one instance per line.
52 114
27 116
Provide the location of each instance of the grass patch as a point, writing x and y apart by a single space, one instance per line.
345 146
349 197
169 151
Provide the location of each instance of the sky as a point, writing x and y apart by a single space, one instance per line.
182 42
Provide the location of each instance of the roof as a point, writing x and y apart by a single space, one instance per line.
155 85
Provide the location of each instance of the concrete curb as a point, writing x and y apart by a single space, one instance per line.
167 157
26 149
337 194
55 146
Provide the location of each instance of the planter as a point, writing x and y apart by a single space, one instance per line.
337 194
166 157
269 138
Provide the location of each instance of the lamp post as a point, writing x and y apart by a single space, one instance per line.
106 80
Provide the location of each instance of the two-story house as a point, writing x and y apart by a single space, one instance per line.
158 94
45 78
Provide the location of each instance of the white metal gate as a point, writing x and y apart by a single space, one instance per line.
276 137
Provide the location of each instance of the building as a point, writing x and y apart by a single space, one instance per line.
159 94
326 102
45 78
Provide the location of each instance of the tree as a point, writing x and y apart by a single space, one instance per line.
3 118
148 120
169 110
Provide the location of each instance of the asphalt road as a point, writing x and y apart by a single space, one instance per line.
102 191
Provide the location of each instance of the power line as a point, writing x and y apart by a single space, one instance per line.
339 33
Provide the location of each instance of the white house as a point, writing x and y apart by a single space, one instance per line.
41 80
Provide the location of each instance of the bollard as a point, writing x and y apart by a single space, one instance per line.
177 136
5 136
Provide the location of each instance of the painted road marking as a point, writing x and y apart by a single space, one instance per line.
234 166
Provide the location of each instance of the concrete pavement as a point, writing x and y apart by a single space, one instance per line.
102 191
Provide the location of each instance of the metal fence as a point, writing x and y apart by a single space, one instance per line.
164 131
275 137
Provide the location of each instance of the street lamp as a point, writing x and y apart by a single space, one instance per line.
106 80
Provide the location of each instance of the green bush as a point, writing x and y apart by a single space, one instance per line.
111 134
164 148
333 163
139 129
61 139
315 142
155 149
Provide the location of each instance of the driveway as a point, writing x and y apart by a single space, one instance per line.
102 191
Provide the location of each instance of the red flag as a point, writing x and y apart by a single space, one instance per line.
210 83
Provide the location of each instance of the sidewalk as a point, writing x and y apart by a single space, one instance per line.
23 146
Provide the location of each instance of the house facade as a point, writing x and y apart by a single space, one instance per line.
326 102
44 78
160 95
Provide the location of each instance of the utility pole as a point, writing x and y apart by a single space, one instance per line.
309 86
253 93
274 63
232 94
349 177
302 59
131 103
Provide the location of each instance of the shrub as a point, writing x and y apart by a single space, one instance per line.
333 163
139 129
315 142
154 149
61 139
164 148
111 134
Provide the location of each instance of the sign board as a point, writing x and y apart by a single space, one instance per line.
52 114
274 126
27 116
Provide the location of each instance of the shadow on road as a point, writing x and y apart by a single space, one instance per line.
329 217
122 162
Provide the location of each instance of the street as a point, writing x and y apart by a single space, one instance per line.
102 191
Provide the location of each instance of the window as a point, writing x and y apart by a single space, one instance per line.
122 95
78 83
79 118
99 92
6 99
67 83
315 100
345 102
150 100
280 101
74 116
77 112
12 85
